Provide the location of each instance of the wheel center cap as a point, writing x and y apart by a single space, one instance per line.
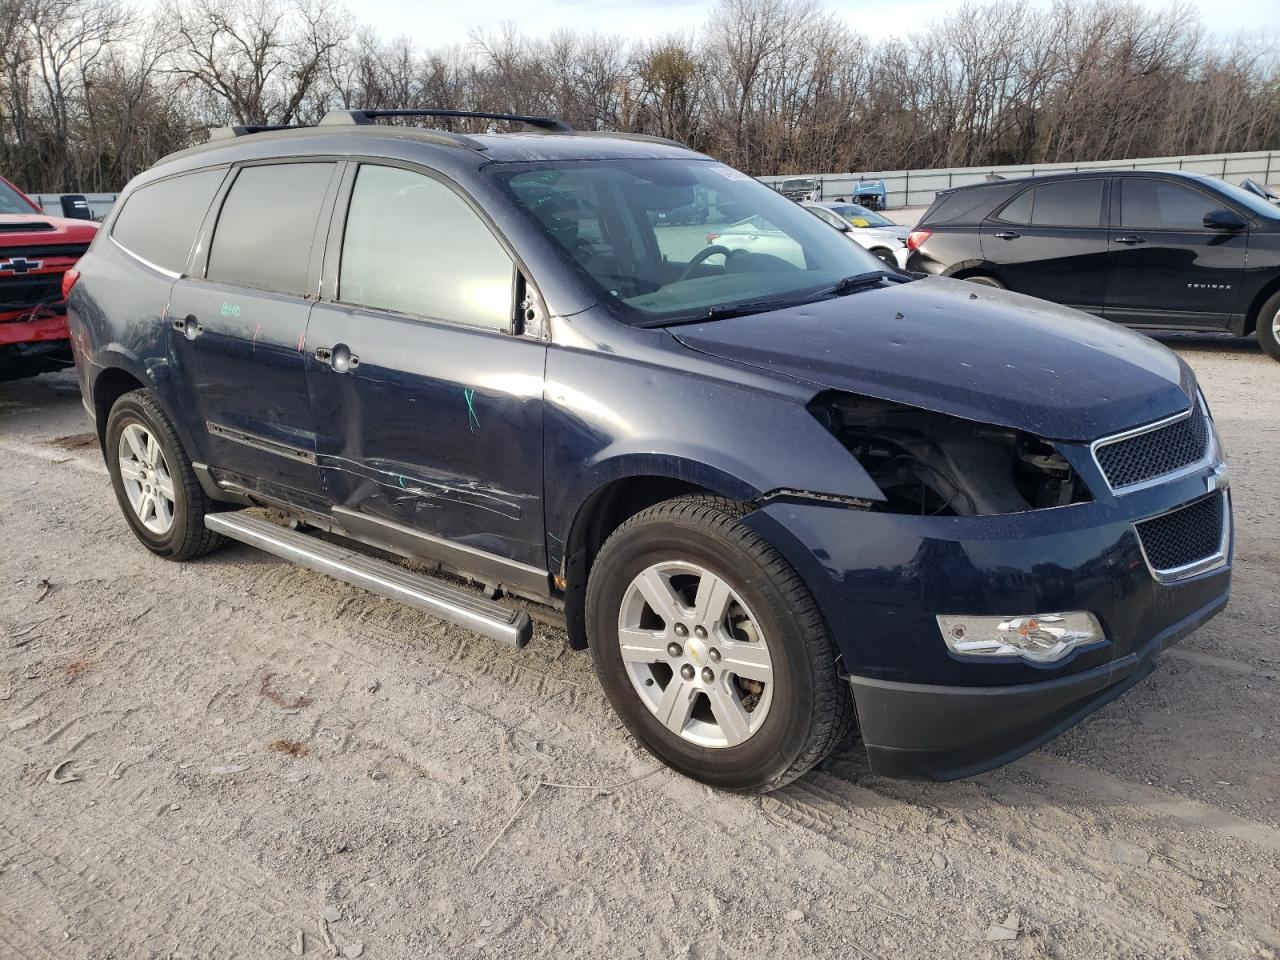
697 650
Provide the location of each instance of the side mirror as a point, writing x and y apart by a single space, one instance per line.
1224 220
842 227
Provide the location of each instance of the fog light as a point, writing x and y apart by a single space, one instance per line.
1039 637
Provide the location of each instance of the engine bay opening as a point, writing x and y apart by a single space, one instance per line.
933 464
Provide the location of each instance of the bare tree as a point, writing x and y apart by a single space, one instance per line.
92 92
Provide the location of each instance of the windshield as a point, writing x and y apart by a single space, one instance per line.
860 216
11 201
664 241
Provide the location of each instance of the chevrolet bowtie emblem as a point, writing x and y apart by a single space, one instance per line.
20 265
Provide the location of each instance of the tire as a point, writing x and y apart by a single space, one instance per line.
1269 327
770 616
138 472
985 280
885 255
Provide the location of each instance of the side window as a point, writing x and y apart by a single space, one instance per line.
159 221
414 246
825 215
1019 211
266 227
1158 204
1068 203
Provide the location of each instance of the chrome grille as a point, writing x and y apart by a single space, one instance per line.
1185 538
1155 451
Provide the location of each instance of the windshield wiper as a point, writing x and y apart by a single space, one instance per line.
724 311
848 285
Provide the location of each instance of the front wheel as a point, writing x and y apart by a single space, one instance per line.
985 280
153 479
1269 327
711 648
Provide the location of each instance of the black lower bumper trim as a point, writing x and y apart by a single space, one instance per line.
928 732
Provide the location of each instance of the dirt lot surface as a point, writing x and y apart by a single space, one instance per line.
263 761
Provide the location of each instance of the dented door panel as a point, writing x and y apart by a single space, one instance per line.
431 426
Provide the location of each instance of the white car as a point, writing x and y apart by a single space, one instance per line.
758 235
886 239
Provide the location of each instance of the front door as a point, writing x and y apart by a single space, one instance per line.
1050 241
242 321
1167 269
428 403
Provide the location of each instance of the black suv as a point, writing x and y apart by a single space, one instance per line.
761 489
1143 248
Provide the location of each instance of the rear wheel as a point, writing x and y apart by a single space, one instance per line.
711 649
153 479
886 255
1269 327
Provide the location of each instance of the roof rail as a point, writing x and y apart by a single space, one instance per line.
229 133
344 117
641 137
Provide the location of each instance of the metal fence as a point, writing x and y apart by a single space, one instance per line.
916 188
100 204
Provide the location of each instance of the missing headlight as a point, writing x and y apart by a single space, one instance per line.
934 464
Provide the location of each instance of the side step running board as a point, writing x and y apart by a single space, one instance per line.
448 603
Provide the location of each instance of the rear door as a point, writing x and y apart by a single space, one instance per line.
1166 268
157 227
1050 241
428 399
242 318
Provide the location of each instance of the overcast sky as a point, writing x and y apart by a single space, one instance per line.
437 23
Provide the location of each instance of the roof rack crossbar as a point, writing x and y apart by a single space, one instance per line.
242 130
368 116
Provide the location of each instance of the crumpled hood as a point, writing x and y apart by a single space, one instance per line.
970 351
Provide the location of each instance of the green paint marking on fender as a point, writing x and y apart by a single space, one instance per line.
229 310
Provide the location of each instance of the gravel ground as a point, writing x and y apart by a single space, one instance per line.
264 761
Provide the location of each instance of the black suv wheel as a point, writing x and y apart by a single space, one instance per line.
711 649
157 489
1269 327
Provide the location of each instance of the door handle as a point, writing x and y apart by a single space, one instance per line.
1130 240
339 357
1006 235
188 326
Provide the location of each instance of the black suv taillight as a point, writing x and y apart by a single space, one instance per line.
917 237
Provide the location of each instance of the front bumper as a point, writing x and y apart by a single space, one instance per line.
881 579
927 732
19 327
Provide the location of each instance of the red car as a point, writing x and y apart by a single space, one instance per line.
35 252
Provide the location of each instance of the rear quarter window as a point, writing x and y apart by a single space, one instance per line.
266 227
159 221
967 206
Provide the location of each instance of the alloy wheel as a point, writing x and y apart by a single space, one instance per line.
146 478
695 654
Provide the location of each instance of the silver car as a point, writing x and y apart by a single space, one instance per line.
886 239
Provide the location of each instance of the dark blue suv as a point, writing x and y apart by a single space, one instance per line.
775 493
